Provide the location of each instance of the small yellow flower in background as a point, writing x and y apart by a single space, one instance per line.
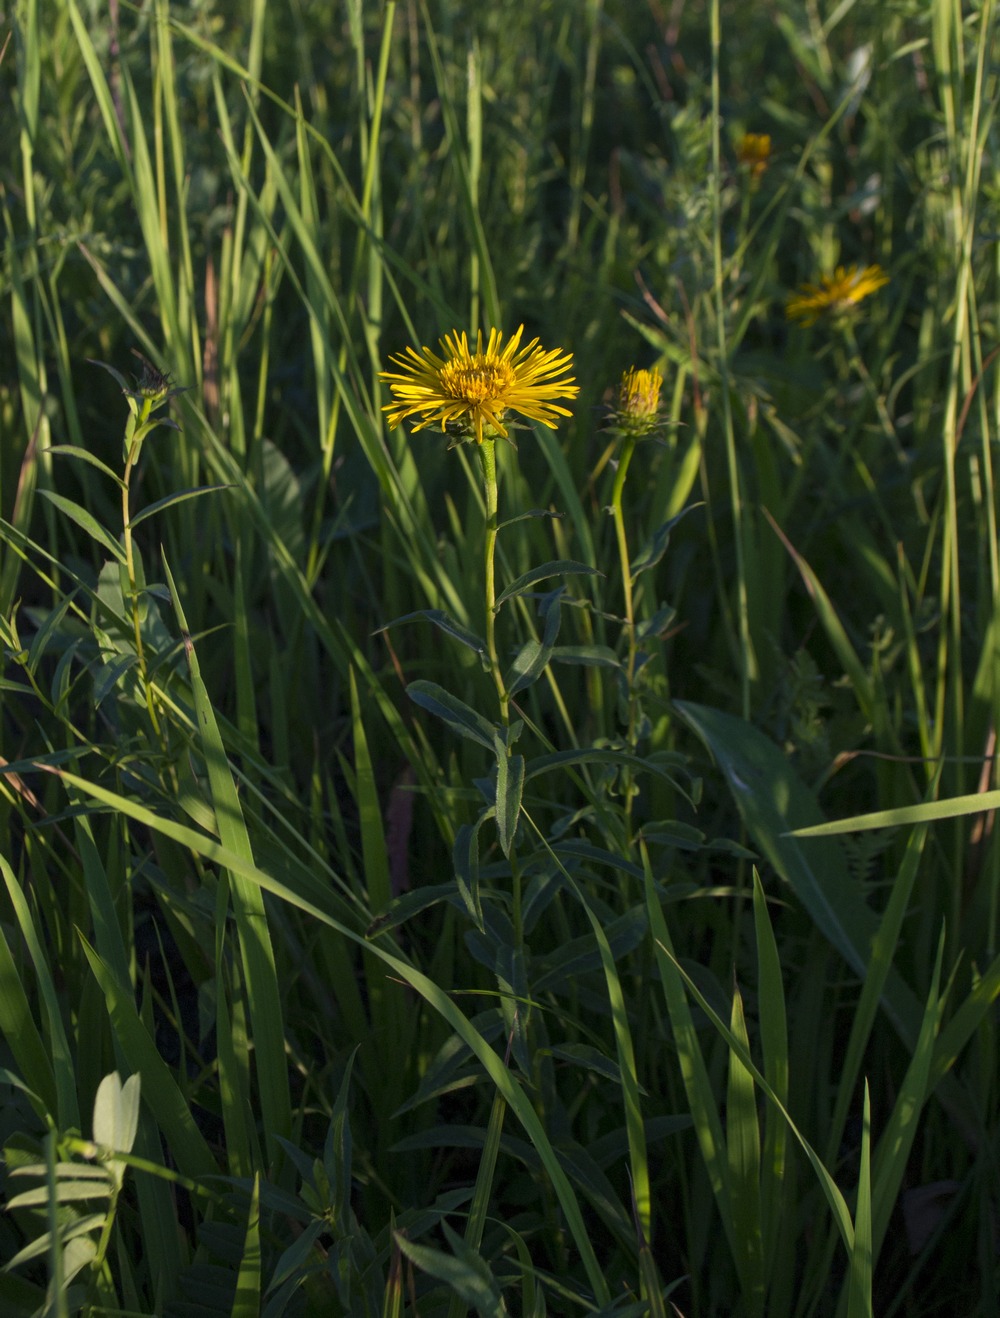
470 393
754 151
835 294
638 407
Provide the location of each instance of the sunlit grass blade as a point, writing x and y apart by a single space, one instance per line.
246 1303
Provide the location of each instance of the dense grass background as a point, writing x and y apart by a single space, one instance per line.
652 1050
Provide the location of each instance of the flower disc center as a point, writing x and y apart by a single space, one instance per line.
477 381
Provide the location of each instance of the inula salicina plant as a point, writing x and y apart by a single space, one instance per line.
503 827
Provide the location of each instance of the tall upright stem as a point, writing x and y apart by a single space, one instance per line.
487 455
134 445
628 448
617 490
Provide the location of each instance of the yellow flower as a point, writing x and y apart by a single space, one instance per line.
835 294
638 409
754 151
471 392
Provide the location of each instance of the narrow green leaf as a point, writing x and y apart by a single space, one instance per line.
694 1072
65 1110
743 1148
653 551
458 715
376 857
926 812
560 568
859 1280
87 522
85 455
446 623
774 1042
17 1026
482 1192
510 785
256 950
181 496
246 1303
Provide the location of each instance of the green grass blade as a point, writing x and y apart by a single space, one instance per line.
775 1170
859 1280
66 1108
246 1303
261 979
743 1149
697 1084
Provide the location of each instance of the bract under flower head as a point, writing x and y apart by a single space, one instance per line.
835 295
470 393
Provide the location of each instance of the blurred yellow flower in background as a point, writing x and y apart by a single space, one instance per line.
836 294
470 393
753 150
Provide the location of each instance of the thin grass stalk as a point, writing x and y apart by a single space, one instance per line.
745 659
370 138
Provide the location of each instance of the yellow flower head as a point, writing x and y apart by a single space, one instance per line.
754 151
638 409
835 295
471 392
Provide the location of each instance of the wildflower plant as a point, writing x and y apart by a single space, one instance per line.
468 396
148 394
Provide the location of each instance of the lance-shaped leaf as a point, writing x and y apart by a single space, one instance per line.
456 713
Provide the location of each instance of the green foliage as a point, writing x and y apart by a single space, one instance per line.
563 886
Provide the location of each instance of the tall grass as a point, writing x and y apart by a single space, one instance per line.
632 945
